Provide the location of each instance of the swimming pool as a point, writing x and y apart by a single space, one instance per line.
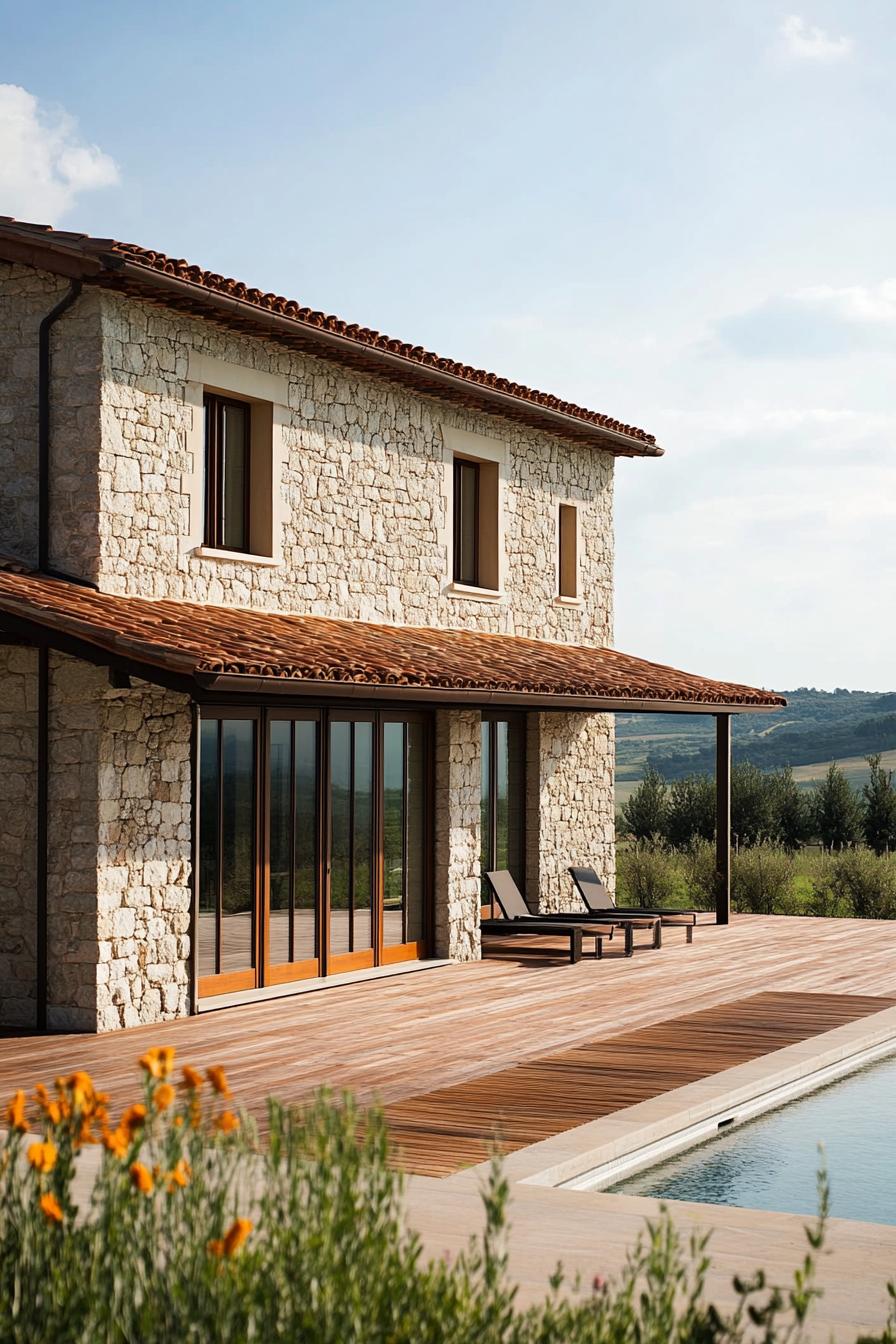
771 1162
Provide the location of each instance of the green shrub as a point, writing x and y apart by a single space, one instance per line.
647 875
195 1232
762 881
643 815
699 870
864 883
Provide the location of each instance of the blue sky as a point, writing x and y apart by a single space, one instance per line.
681 213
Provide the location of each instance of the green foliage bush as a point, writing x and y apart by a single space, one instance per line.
762 880
196 1232
864 883
647 875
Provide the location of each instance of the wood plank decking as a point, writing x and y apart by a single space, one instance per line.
453 1127
411 1034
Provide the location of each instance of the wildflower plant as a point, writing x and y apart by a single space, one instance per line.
167 1219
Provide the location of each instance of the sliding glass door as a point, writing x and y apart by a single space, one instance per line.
293 929
503 801
353 851
228 885
314 854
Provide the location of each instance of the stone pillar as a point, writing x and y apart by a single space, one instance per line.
18 790
458 785
118 873
571 805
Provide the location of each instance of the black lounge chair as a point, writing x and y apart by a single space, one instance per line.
514 906
601 905
518 918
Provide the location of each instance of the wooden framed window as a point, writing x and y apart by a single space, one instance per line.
227 472
466 522
568 551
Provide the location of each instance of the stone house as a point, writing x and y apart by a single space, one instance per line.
301 628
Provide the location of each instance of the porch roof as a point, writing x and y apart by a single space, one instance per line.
233 650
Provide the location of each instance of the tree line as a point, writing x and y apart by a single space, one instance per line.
766 808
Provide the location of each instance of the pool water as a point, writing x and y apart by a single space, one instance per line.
771 1162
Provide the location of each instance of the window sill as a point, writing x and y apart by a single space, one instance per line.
238 557
466 590
568 602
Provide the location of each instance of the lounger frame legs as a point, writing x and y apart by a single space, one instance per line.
575 945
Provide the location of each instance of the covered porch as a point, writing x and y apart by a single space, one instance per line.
270 799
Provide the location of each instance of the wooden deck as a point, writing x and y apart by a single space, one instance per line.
455 1127
410 1034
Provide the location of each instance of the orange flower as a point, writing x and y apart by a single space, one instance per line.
163 1096
51 1109
42 1156
192 1078
116 1141
51 1208
15 1113
218 1079
141 1178
133 1118
227 1122
159 1061
179 1175
233 1238
80 1086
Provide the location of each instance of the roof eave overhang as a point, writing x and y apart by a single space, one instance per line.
243 684
333 346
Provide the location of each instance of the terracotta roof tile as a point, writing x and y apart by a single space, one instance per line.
205 641
109 257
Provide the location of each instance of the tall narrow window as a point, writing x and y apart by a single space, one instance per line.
503 799
227 438
568 551
466 522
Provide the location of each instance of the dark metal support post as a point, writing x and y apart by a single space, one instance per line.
42 834
723 818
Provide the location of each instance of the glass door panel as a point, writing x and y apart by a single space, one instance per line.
503 815
404 837
353 853
227 933
293 777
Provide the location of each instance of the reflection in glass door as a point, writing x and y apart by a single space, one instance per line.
293 929
227 933
404 838
313 851
353 855
503 800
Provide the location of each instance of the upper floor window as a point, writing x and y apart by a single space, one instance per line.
476 523
568 551
228 437
466 522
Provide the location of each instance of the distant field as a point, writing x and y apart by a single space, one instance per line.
854 767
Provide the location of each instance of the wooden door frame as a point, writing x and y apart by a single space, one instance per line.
410 951
263 973
520 719
231 982
280 973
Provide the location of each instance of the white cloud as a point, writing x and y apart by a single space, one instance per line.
44 164
802 41
818 320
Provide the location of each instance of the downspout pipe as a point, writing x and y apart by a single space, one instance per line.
42 835
44 371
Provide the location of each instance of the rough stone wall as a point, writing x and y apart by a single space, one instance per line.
143 858
26 296
570 815
458 769
363 488
18 787
118 880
